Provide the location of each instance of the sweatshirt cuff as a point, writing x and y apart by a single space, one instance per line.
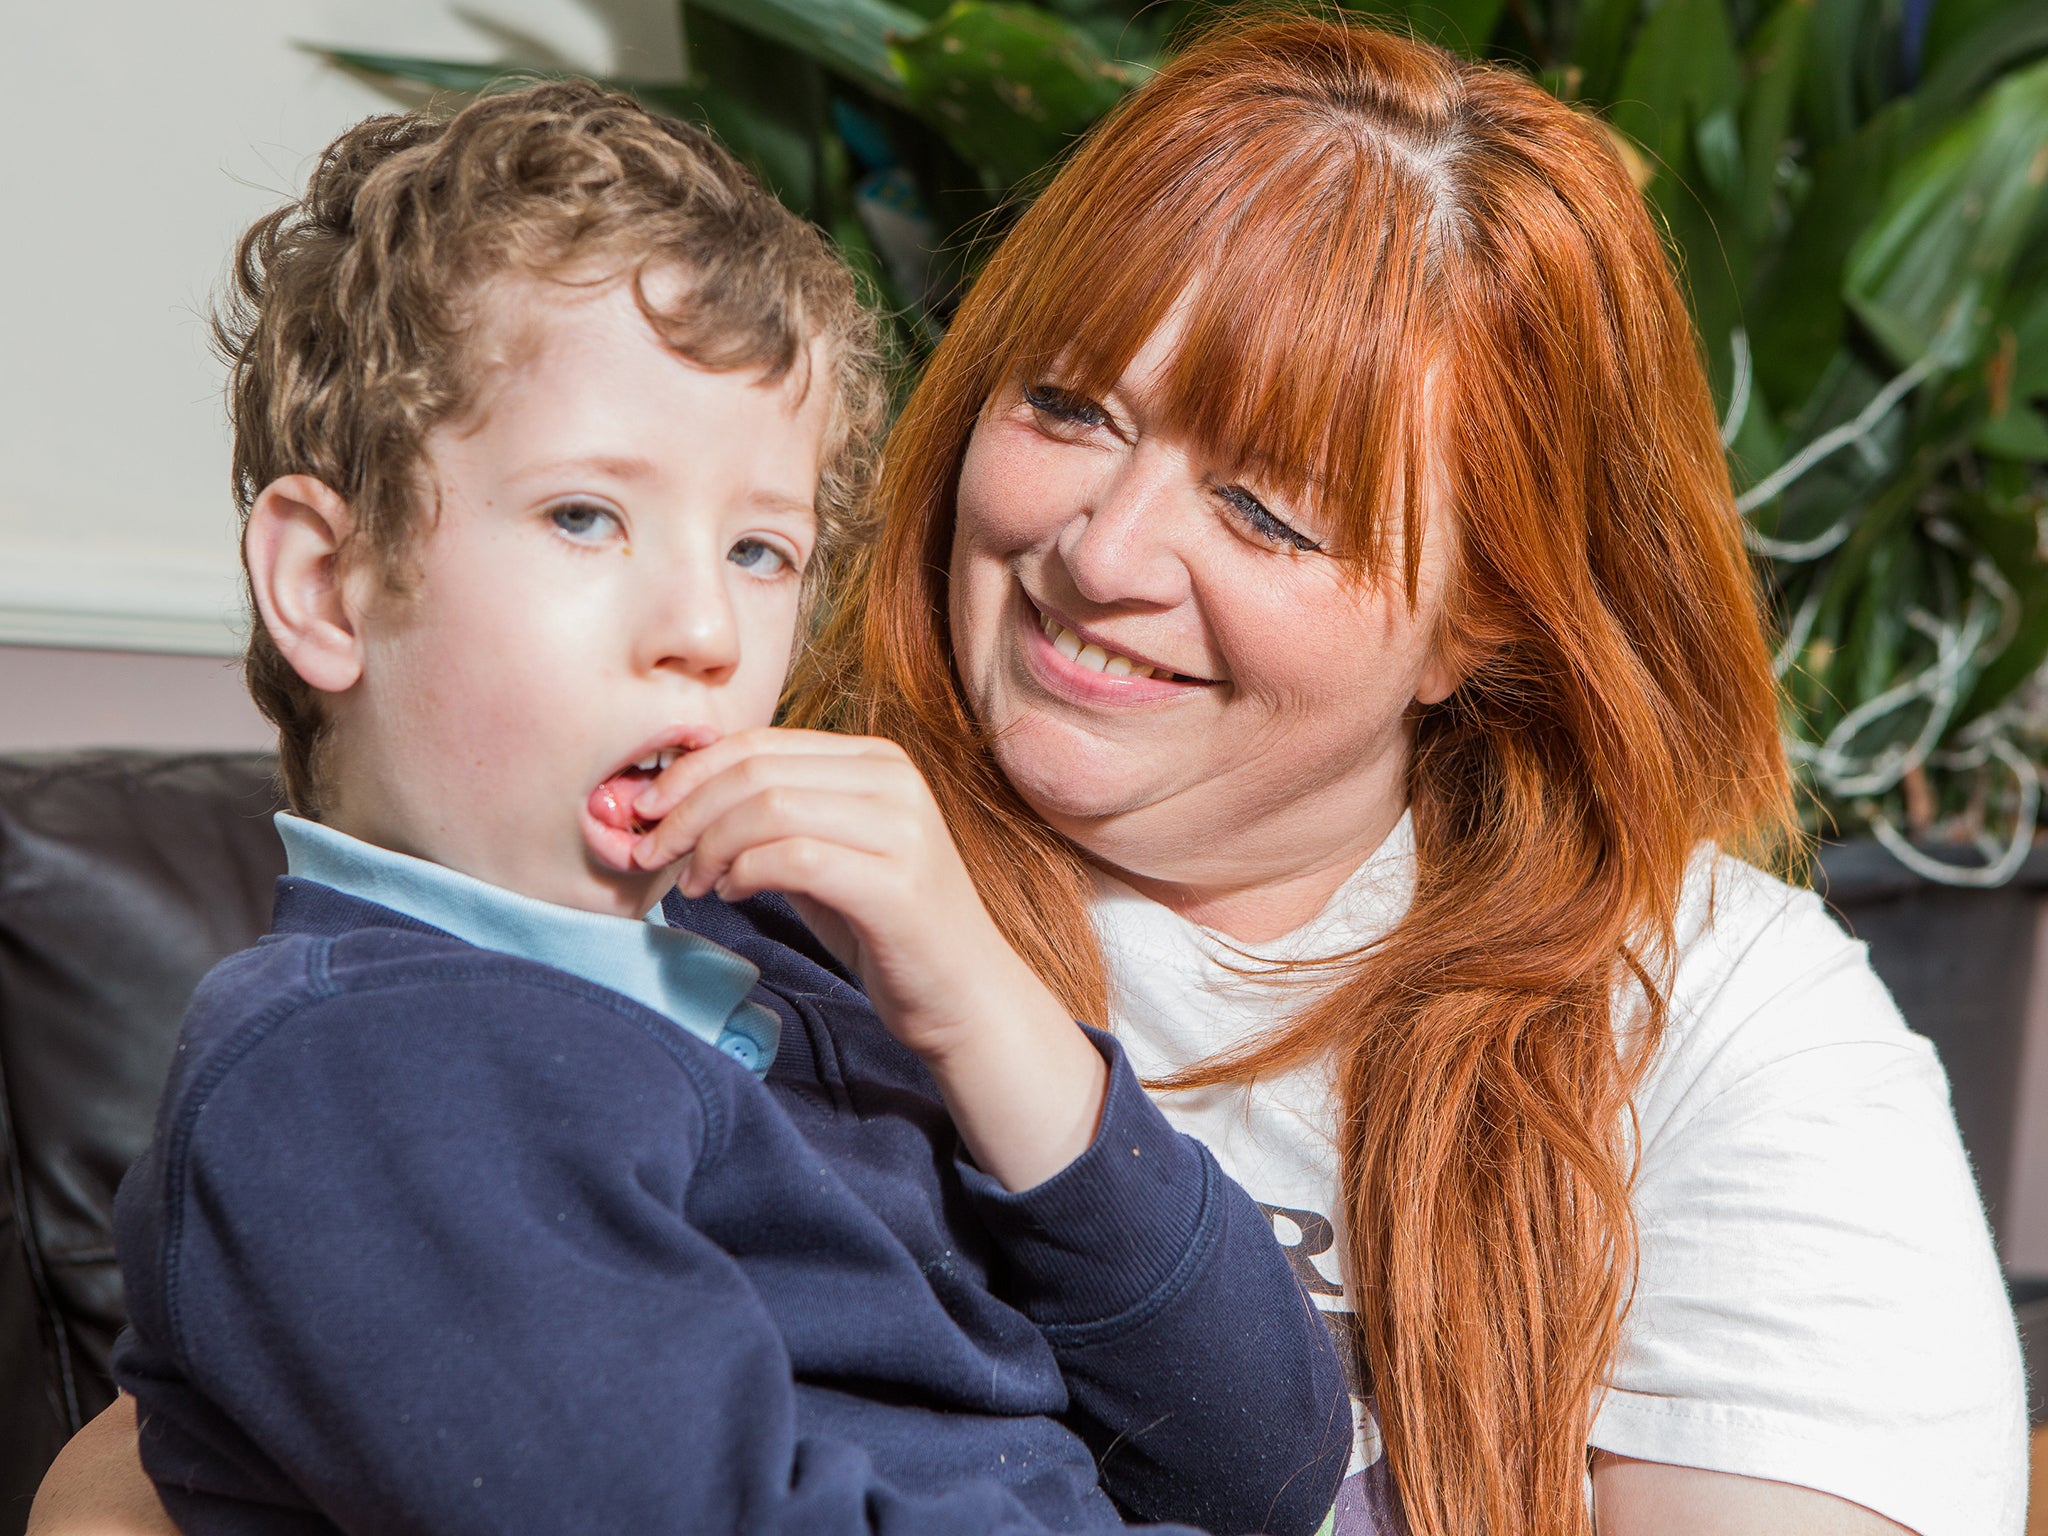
1113 1236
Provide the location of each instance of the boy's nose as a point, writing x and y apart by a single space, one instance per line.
689 625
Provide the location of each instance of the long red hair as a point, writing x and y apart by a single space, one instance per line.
1393 257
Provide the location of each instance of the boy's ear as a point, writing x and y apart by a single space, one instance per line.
297 530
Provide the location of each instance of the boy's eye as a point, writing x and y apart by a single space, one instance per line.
758 558
1063 407
585 522
1252 513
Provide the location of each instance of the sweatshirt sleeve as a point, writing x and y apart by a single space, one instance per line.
436 1281
1201 1375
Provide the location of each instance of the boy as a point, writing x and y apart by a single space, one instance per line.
477 1202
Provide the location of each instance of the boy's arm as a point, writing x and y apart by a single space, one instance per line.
847 829
422 1275
1200 1374
1189 1349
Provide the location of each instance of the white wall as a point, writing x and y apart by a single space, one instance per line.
143 136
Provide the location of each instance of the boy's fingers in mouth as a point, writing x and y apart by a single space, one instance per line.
614 822
667 789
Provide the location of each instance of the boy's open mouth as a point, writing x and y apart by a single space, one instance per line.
610 824
611 803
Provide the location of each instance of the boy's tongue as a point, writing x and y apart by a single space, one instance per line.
611 803
614 827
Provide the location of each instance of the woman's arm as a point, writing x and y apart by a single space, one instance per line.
1647 1498
96 1486
1818 1299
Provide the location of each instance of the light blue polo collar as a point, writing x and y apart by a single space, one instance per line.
701 985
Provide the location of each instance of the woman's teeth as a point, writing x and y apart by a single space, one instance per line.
1093 657
658 762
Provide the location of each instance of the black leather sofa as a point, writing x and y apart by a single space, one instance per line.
125 875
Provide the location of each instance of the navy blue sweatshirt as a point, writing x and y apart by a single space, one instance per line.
436 1239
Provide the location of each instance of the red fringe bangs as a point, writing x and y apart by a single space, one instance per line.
1298 274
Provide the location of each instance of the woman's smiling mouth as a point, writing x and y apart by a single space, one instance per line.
1078 666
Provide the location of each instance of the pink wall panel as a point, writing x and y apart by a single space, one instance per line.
51 700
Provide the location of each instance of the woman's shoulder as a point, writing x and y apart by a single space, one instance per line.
1761 972
1740 926
1773 1002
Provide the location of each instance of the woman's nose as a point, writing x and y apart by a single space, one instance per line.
1124 545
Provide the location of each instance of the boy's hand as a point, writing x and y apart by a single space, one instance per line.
846 827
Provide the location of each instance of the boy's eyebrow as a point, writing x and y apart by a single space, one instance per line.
630 467
613 466
782 501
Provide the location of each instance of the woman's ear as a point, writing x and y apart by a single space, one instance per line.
293 544
1463 645
1439 680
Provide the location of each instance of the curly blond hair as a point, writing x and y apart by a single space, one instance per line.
351 317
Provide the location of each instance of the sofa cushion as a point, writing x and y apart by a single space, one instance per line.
123 877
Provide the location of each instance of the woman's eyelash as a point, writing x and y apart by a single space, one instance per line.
1050 400
1262 522
1062 406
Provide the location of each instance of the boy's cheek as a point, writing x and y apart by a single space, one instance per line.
768 651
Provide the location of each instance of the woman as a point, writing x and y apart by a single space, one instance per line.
1313 543
1312 590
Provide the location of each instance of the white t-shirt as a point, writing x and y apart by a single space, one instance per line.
1819 1302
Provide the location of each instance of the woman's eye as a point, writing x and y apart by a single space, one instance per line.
1253 514
585 522
1065 407
757 558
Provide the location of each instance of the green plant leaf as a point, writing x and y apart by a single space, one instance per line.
1877 633
849 37
1682 70
2009 534
443 74
1463 26
1758 447
772 108
1600 43
1717 149
1774 60
1951 22
2016 384
1944 243
1962 62
1679 96
2021 433
1827 85
1796 318
1010 86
